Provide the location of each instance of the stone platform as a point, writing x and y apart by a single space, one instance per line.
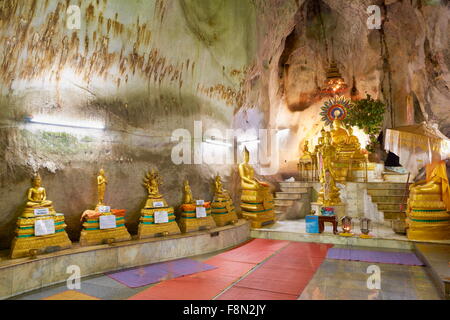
295 230
22 275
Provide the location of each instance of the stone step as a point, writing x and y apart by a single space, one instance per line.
389 206
386 192
389 199
294 189
393 214
288 195
284 202
295 184
386 185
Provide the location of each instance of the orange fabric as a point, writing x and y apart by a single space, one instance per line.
71 295
118 212
438 169
90 214
191 206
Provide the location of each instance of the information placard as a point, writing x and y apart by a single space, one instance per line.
44 227
200 202
41 212
158 204
161 217
108 222
104 209
200 212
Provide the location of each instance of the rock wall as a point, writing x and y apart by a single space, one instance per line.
145 68
140 68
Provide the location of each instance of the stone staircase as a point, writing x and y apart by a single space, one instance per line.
388 196
294 200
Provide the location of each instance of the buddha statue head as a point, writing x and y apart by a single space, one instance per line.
246 155
101 172
36 181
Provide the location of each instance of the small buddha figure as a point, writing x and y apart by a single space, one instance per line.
353 140
101 186
306 153
328 155
37 197
331 192
247 174
187 193
152 181
219 190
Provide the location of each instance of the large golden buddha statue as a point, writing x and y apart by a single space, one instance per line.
428 205
339 135
256 199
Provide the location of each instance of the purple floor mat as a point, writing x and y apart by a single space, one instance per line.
404 258
142 276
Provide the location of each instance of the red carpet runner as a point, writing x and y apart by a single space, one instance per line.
283 276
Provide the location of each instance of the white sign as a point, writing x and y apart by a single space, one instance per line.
41 212
158 204
44 227
200 202
200 212
108 222
104 209
161 217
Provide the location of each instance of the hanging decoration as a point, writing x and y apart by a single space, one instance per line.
335 83
335 108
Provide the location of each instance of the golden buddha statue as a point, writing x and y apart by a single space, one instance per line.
94 230
329 193
187 193
152 181
339 135
428 205
256 199
38 210
194 216
101 186
306 153
37 196
157 217
222 207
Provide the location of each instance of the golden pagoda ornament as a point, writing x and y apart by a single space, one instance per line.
223 210
103 225
40 229
195 214
157 217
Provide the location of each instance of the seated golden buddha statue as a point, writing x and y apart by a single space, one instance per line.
31 236
222 207
428 205
354 142
339 135
195 215
256 199
37 198
151 183
306 154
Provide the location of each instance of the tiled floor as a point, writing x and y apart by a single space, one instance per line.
333 280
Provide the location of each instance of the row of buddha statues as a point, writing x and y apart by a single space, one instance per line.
339 148
41 229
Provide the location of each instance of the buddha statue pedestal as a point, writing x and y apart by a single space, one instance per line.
258 207
196 217
99 228
27 237
222 207
428 205
157 219
223 211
